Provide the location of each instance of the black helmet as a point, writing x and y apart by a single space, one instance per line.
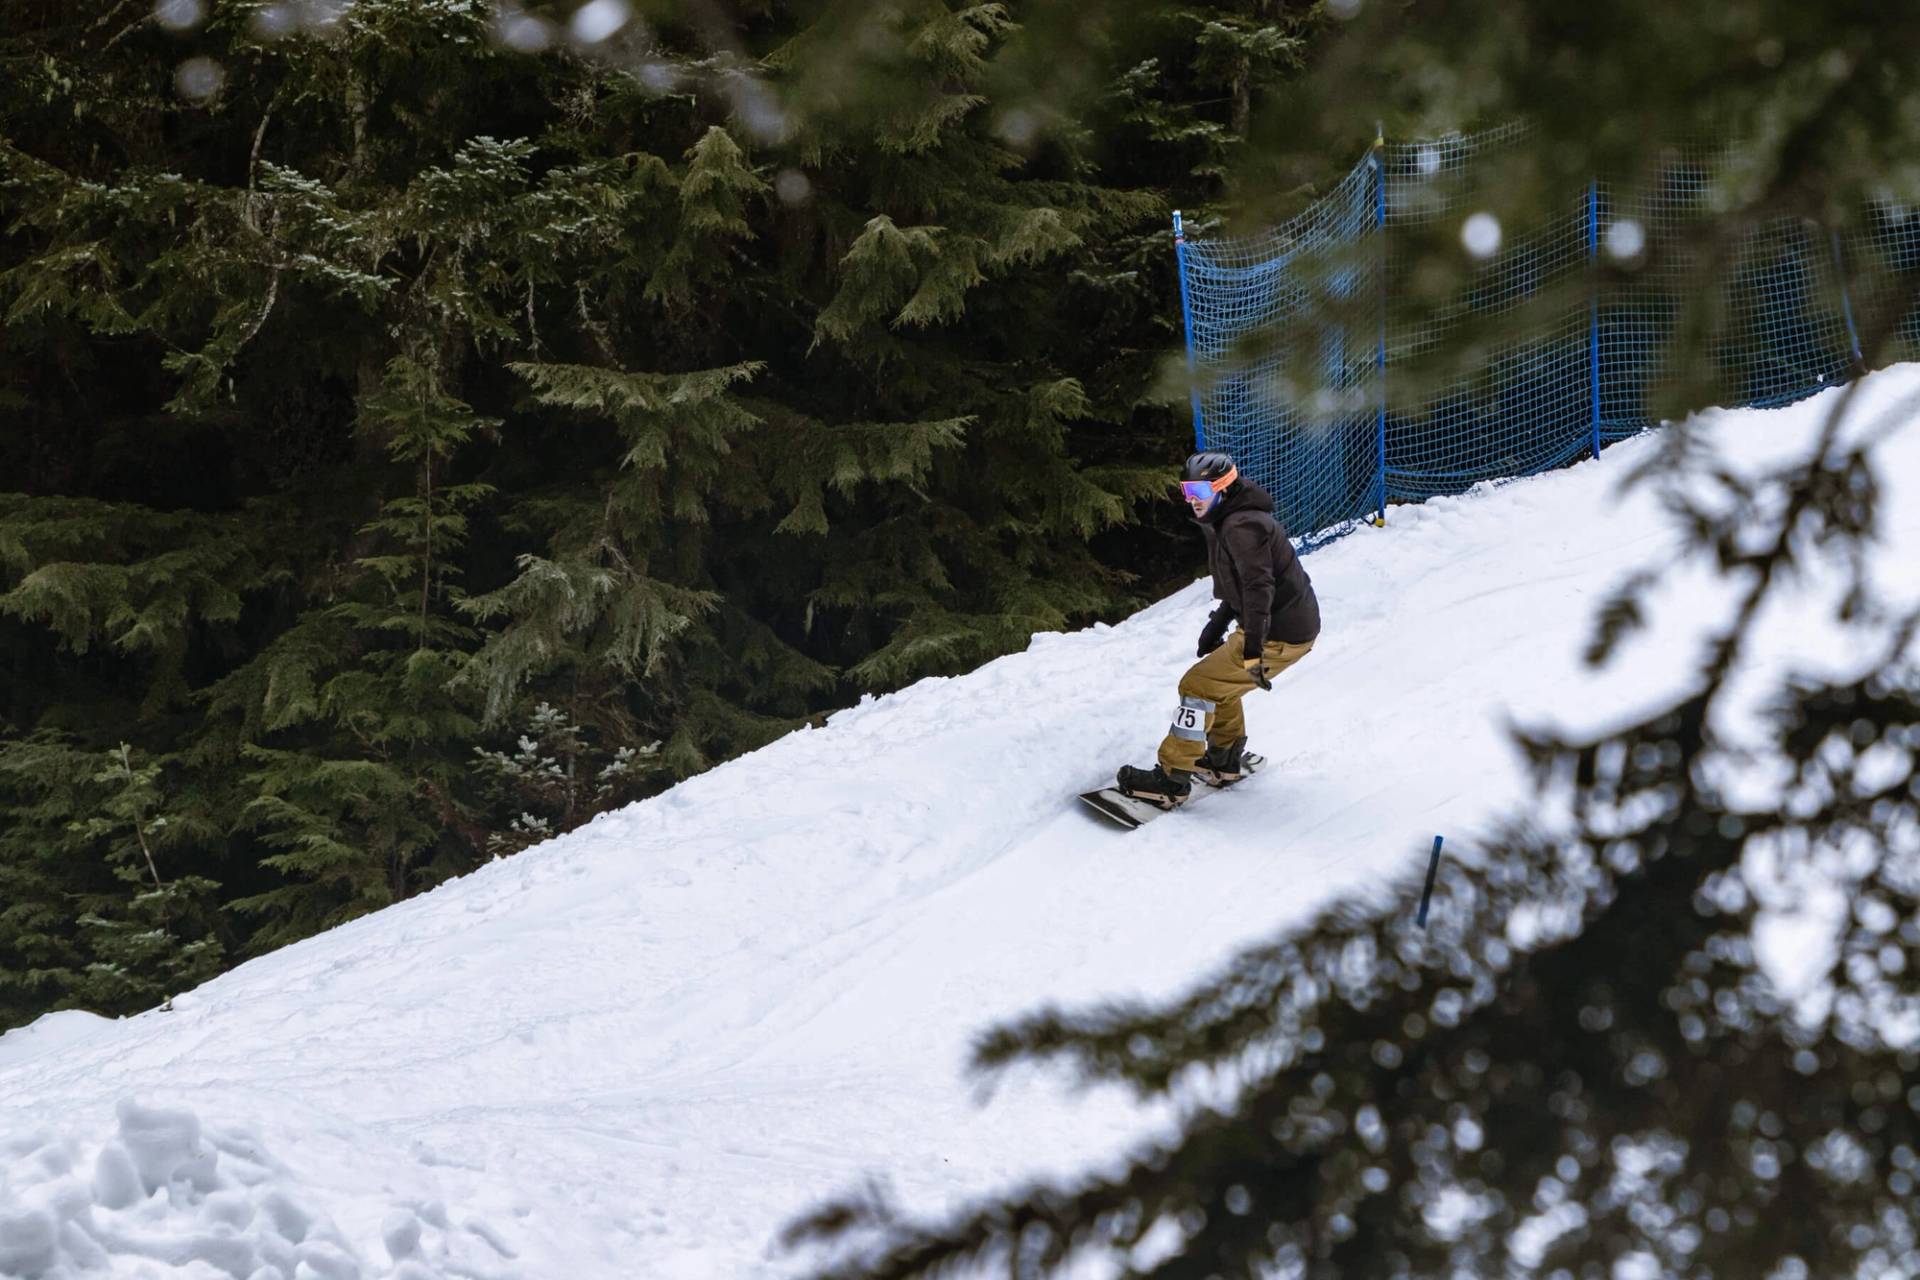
1210 465
1205 477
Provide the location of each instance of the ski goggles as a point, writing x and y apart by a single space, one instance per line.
1207 490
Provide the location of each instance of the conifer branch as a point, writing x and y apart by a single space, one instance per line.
125 31
125 757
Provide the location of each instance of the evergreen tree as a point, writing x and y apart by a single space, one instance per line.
387 382
364 827
163 937
559 778
96 912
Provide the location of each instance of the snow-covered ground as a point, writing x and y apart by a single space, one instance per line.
640 1049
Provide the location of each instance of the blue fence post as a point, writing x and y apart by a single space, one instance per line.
1186 312
1846 302
1593 320
1380 230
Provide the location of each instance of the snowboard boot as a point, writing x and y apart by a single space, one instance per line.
1222 764
1168 789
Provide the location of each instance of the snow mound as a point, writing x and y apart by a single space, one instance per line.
51 1032
165 1196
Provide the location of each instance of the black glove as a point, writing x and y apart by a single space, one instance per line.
1258 670
1214 632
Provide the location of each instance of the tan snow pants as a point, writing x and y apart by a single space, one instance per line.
1210 696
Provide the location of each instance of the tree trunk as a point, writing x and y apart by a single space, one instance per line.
1264 12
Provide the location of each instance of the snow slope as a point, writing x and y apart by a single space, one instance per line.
639 1049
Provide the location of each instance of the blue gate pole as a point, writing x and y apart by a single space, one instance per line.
1380 230
1593 321
1846 302
1186 312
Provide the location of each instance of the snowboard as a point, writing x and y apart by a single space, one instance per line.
1117 806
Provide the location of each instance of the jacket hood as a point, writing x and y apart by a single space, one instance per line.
1244 495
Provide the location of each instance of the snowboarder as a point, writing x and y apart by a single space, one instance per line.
1258 580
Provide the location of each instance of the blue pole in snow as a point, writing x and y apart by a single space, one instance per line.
1186 312
1380 230
1593 323
1433 868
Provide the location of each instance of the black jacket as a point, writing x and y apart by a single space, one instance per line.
1256 575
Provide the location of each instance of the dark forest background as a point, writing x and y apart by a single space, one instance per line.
422 429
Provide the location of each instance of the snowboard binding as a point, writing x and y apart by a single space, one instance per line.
1166 788
1222 766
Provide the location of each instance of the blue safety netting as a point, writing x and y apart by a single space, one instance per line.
1298 335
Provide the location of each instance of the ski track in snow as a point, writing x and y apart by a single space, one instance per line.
642 1048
